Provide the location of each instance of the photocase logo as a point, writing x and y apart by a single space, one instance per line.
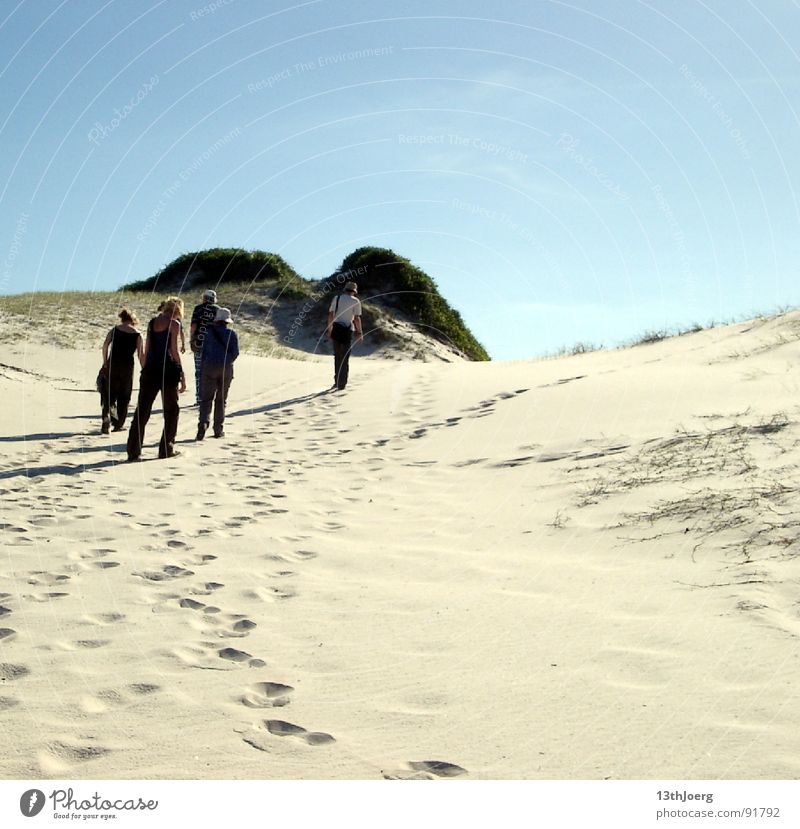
31 803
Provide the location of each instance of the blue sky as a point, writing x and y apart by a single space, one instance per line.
566 171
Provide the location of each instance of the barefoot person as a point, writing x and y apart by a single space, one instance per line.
220 350
344 317
162 372
121 343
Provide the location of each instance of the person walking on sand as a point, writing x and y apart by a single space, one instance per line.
202 317
220 350
121 343
162 372
344 317
183 332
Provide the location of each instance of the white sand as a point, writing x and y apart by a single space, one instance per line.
577 568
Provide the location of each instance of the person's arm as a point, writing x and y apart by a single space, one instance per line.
233 346
173 351
330 323
106 343
146 346
140 350
183 340
357 324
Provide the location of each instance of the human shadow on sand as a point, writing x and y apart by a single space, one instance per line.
55 469
118 447
39 436
271 407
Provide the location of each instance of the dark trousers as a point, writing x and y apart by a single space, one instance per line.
341 363
198 362
151 382
215 381
117 395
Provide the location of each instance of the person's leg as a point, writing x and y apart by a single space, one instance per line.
169 397
112 396
148 389
121 386
345 369
340 354
223 385
123 402
104 409
207 388
341 365
198 362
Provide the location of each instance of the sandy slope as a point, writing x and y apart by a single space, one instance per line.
578 568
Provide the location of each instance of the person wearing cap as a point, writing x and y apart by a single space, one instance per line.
344 317
202 316
220 350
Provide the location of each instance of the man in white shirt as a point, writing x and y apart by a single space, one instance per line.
344 317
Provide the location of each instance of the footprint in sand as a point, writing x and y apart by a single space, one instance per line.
12 528
40 577
10 672
167 573
97 552
43 597
280 728
108 698
268 594
425 770
18 541
7 634
239 625
44 520
234 655
101 701
192 604
208 588
267 695
4 611
60 755
207 655
200 561
142 688
7 702
243 626
84 644
104 618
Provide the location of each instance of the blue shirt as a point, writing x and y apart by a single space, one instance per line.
220 345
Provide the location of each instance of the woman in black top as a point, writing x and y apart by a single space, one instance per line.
123 341
162 372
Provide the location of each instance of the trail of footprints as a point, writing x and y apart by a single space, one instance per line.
209 618
205 614
485 408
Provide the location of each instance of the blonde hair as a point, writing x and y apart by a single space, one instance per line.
127 316
173 306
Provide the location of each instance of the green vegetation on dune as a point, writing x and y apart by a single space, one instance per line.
390 280
76 319
386 281
271 302
81 319
217 267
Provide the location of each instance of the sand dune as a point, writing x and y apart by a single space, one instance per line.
574 568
